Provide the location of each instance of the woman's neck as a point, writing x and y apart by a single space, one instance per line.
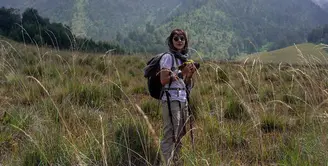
176 51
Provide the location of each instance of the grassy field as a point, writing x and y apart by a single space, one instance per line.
297 54
71 108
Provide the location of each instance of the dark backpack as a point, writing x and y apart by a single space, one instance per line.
151 72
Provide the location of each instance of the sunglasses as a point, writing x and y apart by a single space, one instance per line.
177 38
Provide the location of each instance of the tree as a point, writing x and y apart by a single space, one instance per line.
31 16
8 20
38 30
319 35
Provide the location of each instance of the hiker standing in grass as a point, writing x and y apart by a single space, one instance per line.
177 84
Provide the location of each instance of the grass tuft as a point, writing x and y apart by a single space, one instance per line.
134 148
33 158
152 109
88 94
221 76
236 111
271 123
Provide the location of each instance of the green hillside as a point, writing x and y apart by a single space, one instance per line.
301 53
210 30
226 28
217 28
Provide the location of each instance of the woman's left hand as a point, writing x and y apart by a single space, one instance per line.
189 70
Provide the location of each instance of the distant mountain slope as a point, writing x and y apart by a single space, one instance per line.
222 28
293 55
101 19
218 28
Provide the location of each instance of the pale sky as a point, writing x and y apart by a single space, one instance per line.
320 2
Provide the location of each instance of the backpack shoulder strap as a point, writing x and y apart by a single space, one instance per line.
172 68
173 58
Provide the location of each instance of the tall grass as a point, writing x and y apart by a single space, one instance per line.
71 108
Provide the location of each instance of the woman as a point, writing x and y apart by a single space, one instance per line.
177 84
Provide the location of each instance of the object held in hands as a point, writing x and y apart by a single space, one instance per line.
197 65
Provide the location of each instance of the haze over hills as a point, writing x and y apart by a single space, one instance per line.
322 3
103 18
217 28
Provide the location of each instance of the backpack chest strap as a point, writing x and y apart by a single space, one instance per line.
174 88
166 90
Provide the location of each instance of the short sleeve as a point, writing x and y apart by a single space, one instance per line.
166 61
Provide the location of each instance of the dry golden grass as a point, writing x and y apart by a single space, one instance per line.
71 108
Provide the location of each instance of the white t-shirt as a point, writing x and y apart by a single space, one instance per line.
175 95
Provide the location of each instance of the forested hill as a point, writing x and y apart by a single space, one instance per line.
218 28
102 19
234 26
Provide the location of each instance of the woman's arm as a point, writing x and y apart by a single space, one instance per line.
165 76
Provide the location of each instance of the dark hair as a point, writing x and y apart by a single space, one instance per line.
169 40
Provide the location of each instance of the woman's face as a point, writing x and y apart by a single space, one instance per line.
179 42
